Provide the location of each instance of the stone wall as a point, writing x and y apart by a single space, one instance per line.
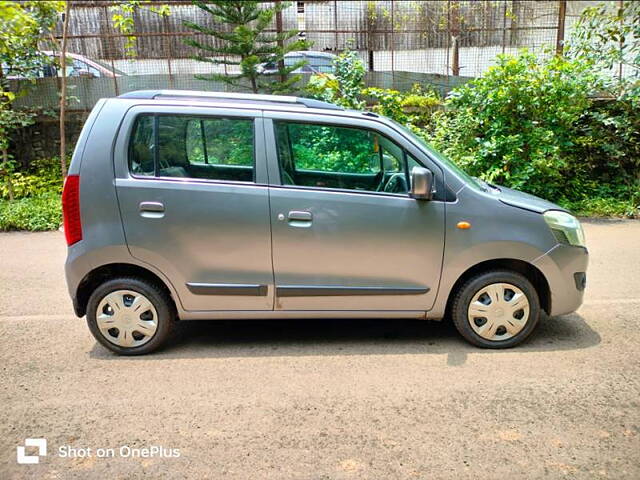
42 139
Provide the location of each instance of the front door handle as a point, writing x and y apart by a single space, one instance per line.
299 219
151 209
300 216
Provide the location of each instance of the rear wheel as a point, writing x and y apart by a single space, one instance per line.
130 316
497 309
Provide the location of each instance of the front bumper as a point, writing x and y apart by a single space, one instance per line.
565 269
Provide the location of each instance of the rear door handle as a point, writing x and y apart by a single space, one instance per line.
151 209
300 216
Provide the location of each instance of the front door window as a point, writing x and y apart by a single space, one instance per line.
337 157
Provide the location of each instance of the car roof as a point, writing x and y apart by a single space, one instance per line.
310 53
227 97
274 103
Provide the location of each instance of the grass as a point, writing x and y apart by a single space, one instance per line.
38 213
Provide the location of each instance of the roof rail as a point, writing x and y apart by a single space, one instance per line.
199 95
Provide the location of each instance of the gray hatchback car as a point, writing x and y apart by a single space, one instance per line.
200 205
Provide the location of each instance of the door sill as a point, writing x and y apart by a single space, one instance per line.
302 314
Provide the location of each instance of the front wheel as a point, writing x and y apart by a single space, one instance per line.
130 316
497 309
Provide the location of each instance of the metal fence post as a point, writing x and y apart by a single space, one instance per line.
393 44
335 25
562 13
279 30
454 32
112 49
620 11
504 27
165 22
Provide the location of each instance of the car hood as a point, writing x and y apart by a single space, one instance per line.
525 201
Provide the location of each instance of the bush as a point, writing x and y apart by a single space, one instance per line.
36 213
531 124
345 87
602 207
516 125
414 108
42 176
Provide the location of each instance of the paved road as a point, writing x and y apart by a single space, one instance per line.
324 399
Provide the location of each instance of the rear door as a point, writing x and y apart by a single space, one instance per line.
194 203
346 234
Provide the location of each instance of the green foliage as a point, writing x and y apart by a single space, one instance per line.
606 38
529 123
346 88
608 147
42 212
22 24
414 108
516 125
123 21
237 149
246 38
43 176
343 88
602 207
331 148
11 120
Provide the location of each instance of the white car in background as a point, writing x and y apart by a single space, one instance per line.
317 62
77 66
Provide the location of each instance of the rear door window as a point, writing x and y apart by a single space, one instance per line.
209 148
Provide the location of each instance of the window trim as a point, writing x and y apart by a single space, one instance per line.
344 190
156 153
275 121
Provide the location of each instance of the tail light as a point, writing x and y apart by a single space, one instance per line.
71 209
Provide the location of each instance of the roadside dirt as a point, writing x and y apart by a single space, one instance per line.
324 399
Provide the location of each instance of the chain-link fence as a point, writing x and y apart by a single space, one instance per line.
401 42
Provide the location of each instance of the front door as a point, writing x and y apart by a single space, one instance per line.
346 234
194 204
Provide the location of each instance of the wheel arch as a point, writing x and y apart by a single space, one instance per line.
529 271
99 275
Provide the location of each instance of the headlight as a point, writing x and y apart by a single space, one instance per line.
565 227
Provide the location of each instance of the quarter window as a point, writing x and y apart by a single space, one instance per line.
332 156
141 160
208 148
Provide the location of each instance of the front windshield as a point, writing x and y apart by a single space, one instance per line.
441 158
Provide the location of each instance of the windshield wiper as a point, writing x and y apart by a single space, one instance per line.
486 185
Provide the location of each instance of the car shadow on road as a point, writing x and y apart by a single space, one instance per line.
341 337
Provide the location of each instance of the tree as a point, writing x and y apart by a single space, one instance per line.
63 90
343 88
609 39
247 44
122 18
22 24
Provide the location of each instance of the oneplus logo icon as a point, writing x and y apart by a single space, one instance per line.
41 443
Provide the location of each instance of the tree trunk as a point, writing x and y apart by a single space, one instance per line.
7 173
63 91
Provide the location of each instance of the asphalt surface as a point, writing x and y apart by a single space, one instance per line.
322 399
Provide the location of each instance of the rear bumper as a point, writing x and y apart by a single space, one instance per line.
565 269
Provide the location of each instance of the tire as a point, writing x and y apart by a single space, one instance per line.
130 305
487 331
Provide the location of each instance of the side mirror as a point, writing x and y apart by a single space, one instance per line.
421 183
